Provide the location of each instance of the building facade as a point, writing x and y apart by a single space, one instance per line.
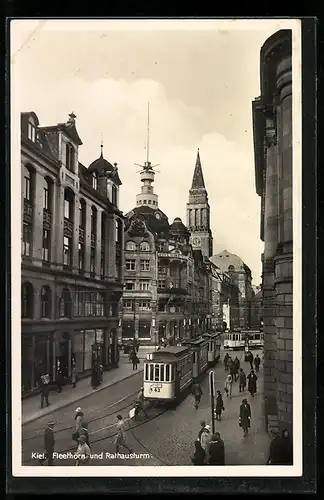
172 290
72 259
240 274
272 122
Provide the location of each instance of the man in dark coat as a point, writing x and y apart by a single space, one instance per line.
236 364
226 361
250 359
281 450
219 405
44 386
252 386
135 360
216 450
245 416
257 362
197 393
242 380
202 427
49 442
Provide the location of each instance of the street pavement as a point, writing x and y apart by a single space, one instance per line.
31 409
166 438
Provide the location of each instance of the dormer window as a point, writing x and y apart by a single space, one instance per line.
31 131
69 157
114 194
95 180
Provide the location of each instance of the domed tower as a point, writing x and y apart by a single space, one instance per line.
105 178
179 230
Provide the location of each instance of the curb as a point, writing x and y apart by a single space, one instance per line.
64 405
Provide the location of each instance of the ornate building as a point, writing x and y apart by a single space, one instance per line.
72 259
172 290
240 273
272 128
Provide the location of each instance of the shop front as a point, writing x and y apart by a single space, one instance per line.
94 346
36 359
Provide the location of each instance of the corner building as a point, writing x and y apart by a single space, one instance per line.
272 122
72 259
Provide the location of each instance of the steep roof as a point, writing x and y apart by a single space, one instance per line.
156 220
198 178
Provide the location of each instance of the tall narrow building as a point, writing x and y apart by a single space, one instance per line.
198 213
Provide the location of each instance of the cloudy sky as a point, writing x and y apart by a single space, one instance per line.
199 78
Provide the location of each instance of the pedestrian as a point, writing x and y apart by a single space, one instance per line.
49 443
281 450
228 385
137 346
236 363
135 360
121 435
59 380
242 380
219 407
252 385
229 363
257 362
100 374
250 359
74 375
94 375
84 432
233 371
199 457
205 439
216 450
226 361
44 387
140 404
202 427
197 393
245 416
79 423
83 451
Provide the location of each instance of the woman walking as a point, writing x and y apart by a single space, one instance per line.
121 435
228 385
79 422
219 405
252 386
245 416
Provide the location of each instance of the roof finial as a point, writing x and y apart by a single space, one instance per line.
101 146
72 117
148 134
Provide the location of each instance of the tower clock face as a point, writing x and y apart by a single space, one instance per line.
196 241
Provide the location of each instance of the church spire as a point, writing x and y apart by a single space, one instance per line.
198 178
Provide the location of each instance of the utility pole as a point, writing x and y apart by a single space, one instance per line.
212 398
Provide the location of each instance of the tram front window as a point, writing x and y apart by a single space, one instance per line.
157 373
161 373
151 372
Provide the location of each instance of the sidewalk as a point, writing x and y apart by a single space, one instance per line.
31 406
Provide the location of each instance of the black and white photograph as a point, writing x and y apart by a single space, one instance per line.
156 254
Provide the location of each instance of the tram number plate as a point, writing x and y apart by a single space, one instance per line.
155 387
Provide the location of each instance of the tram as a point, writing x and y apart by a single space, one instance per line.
167 373
214 346
242 340
199 348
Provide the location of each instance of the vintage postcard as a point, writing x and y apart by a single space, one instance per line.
156 248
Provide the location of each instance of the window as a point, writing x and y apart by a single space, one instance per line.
93 220
68 204
27 300
66 304
144 285
46 245
130 264
46 195
81 256
82 214
157 373
46 302
129 305
130 285
145 265
144 202
167 373
130 246
27 239
31 132
144 305
162 307
144 246
67 251
69 157
27 184
92 260
161 283
114 195
95 180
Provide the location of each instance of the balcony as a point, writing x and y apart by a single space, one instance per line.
28 211
47 219
68 227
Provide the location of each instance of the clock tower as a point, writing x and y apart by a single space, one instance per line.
198 213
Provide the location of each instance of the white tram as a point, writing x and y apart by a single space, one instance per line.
240 340
214 346
199 348
167 373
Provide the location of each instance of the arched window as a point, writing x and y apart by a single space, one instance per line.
46 302
231 268
130 246
27 300
145 246
82 214
95 180
68 204
66 304
47 194
93 220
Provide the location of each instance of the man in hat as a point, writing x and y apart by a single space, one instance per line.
49 442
